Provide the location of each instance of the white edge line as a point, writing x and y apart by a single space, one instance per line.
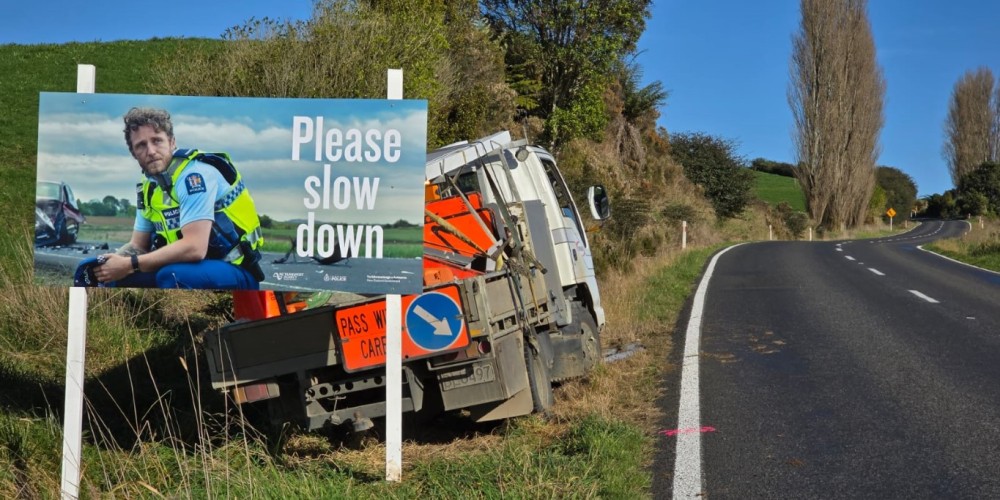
922 296
921 247
687 466
876 271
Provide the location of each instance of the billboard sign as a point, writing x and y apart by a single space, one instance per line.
278 193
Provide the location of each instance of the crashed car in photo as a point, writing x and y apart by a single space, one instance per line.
57 215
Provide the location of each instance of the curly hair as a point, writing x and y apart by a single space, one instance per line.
159 119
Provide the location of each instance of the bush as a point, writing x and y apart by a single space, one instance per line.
979 190
712 163
795 222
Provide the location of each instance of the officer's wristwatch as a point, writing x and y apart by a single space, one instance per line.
135 263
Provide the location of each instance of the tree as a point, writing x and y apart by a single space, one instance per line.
112 203
712 163
984 182
900 190
836 93
633 113
972 127
773 167
344 49
561 53
942 205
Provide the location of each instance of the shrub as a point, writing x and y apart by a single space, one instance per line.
712 163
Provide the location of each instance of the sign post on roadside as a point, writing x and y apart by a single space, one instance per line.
891 213
76 354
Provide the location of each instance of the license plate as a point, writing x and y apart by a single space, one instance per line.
479 375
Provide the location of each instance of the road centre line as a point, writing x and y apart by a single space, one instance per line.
876 271
922 296
848 257
687 464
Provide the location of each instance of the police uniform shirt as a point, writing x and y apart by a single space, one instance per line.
198 188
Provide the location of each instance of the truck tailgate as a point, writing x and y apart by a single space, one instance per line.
242 352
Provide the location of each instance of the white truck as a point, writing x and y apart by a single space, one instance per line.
508 275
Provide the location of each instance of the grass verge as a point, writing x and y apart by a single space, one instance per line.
979 247
155 430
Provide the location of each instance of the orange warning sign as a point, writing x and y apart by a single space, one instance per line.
362 337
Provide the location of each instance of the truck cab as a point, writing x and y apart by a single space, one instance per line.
526 179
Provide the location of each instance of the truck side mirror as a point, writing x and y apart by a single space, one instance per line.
600 204
521 154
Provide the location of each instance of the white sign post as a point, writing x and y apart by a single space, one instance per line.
76 353
394 351
684 235
770 233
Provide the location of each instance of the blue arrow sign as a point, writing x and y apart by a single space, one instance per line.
434 321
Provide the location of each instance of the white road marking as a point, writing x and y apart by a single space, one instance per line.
921 247
922 296
687 466
876 271
848 257
840 249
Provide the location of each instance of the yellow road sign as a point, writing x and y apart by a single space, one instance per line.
890 212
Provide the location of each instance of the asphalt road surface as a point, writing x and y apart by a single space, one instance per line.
355 275
862 369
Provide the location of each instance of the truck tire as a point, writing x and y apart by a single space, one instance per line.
538 379
590 336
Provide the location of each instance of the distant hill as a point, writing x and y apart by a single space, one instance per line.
775 189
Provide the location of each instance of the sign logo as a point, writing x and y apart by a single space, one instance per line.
434 321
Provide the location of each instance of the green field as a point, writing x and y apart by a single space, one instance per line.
775 189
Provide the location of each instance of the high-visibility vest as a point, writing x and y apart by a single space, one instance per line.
236 217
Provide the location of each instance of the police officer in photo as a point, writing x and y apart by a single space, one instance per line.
195 226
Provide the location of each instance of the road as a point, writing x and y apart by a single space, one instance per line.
355 275
862 369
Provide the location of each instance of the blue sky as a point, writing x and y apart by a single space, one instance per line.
726 65
725 62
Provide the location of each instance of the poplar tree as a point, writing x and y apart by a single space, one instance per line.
836 93
972 130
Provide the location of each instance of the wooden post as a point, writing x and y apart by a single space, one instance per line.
394 351
76 353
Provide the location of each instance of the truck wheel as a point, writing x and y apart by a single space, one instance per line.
538 379
590 336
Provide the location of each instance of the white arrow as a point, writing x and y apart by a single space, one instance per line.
441 326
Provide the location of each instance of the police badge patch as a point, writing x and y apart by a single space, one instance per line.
195 183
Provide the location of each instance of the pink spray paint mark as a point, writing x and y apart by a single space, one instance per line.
689 430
